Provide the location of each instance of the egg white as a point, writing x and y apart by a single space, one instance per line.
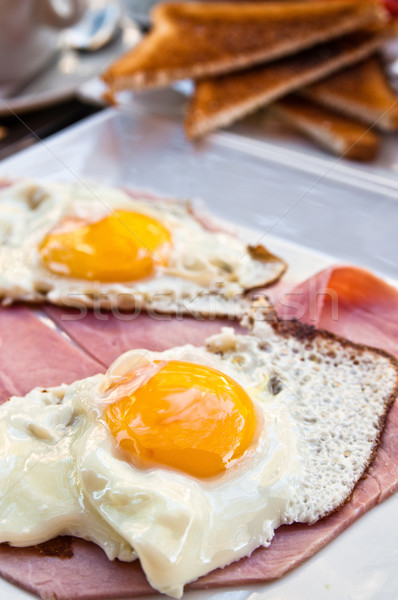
62 474
207 271
40 494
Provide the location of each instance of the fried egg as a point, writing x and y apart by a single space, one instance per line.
189 459
82 244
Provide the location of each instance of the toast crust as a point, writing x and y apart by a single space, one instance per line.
200 39
222 100
361 91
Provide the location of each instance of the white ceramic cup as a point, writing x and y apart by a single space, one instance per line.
28 33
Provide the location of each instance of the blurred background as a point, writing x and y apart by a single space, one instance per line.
52 53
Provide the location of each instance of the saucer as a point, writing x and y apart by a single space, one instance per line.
65 74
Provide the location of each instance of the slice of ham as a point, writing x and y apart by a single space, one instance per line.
348 301
367 312
32 354
105 336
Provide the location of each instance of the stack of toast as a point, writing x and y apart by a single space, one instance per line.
313 63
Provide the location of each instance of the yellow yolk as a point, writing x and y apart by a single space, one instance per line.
186 416
124 246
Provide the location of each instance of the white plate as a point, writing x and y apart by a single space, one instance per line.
313 214
259 126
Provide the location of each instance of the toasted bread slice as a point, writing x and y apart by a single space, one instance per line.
191 40
361 91
340 135
224 99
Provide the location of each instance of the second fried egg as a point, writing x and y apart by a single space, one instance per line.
93 245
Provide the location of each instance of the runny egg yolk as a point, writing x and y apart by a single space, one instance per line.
123 246
183 415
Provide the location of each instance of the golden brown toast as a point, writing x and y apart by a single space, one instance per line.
191 40
361 91
340 135
221 100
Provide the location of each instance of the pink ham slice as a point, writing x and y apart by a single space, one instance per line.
105 336
348 301
367 313
32 354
